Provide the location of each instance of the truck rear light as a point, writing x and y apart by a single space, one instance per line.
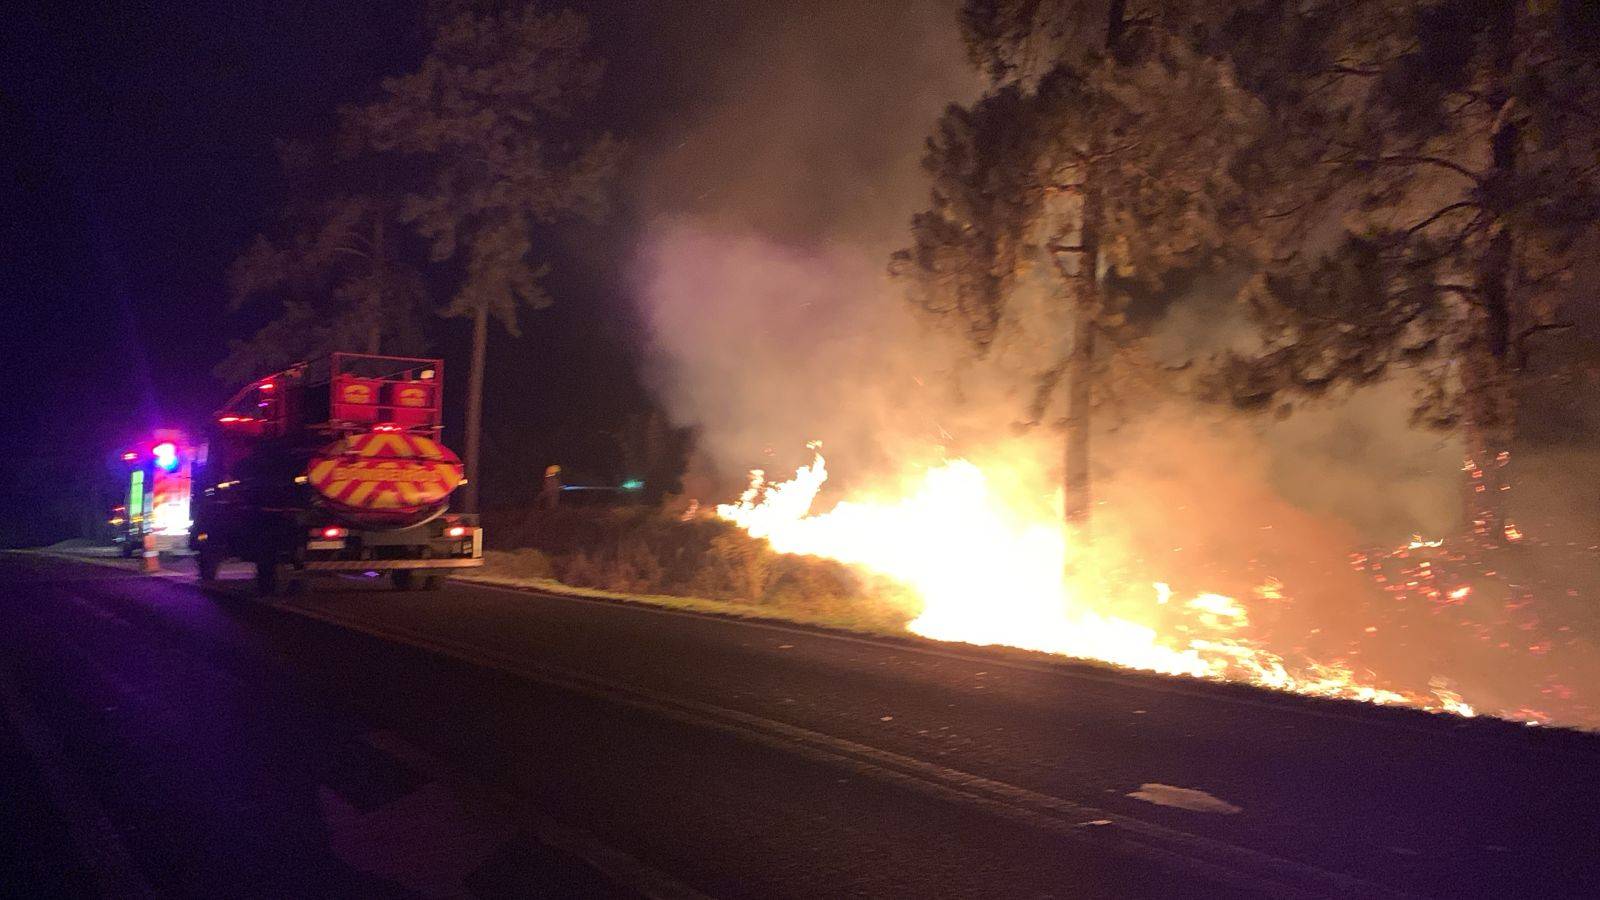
332 533
456 531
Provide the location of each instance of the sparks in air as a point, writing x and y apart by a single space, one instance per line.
989 569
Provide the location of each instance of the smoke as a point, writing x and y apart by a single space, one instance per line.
771 209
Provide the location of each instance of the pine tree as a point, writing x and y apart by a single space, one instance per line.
331 265
1454 146
492 117
1106 159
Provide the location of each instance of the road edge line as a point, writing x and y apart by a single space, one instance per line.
1187 852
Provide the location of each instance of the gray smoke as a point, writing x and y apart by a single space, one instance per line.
772 206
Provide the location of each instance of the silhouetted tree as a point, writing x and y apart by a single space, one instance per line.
1453 147
331 264
1106 159
491 119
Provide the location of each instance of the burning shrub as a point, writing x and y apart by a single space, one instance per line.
736 568
642 551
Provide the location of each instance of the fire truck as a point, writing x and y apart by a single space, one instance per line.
333 466
155 510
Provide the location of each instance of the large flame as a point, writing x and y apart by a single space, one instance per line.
990 570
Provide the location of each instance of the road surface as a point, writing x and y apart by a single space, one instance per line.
161 740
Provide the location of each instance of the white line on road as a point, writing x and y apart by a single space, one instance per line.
1202 857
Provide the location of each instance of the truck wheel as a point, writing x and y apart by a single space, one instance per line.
415 580
272 579
208 562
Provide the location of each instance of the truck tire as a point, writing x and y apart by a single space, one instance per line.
415 580
208 561
273 579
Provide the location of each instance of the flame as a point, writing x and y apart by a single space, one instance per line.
991 570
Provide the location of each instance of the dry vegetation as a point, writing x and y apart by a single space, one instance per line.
641 553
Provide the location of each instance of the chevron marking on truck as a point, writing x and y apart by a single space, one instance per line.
388 471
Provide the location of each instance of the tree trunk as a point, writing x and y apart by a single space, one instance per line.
1080 392
1077 498
480 341
375 296
1075 485
1488 387
1488 366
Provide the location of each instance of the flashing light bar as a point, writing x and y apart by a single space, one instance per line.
166 454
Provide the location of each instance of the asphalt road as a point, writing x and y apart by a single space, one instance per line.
161 740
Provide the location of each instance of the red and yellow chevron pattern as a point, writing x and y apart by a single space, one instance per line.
385 471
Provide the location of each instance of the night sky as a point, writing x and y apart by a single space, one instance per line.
141 160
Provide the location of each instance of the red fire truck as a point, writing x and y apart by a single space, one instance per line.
334 466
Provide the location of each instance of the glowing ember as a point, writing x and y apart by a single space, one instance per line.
991 568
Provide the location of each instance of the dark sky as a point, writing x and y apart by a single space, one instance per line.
140 150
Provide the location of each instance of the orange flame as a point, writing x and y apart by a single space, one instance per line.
990 570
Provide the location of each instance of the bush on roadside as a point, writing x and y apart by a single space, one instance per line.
523 562
641 551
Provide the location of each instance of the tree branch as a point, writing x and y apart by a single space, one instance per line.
1439 214
1408 160
1355 70
1532 330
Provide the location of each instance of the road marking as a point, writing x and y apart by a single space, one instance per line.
99 845
1183 798
1198 856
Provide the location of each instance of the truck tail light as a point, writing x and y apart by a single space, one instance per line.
456 531
332 532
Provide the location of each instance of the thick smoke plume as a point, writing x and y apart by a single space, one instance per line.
771 212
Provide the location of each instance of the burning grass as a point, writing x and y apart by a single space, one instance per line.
701 563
